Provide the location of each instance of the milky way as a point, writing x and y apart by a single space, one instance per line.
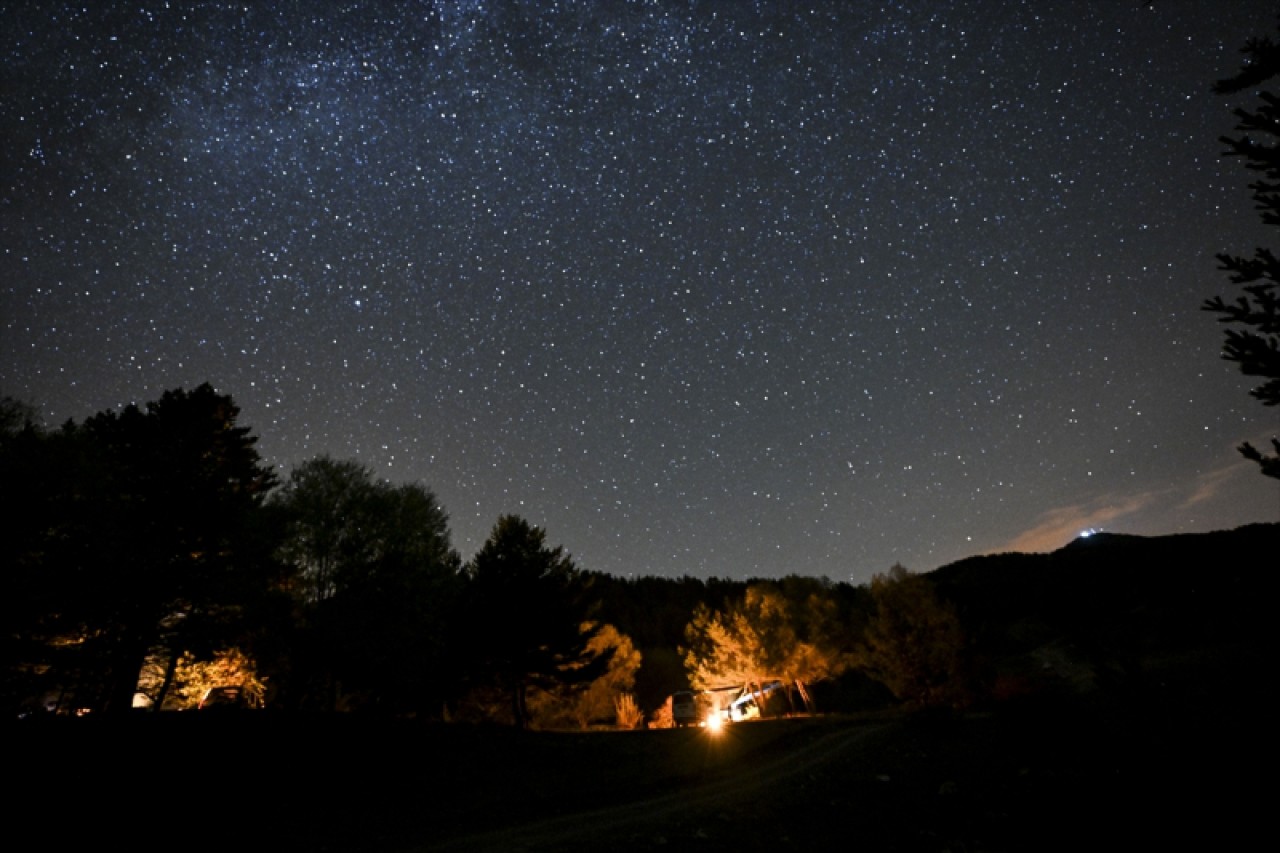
708 288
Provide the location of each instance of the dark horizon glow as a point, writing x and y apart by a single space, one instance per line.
736 289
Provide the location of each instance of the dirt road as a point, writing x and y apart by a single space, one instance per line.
705 812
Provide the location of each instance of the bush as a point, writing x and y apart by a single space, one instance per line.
629 715
914 643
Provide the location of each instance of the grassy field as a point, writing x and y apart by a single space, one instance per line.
1045 775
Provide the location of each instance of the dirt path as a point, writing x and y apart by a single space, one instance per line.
695 815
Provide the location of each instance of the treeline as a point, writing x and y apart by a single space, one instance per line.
150 554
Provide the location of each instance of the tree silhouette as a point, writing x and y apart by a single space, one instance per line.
530 617
1254 343
376 582
16 416
327 506
35 600
914 643
138 537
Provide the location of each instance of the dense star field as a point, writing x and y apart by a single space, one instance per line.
708 288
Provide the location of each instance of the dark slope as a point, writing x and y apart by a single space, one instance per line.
1120 611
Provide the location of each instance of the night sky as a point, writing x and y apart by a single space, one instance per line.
710 288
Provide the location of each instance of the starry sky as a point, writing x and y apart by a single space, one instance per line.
734 289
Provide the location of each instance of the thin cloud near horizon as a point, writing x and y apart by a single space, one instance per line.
1059 526
1208 484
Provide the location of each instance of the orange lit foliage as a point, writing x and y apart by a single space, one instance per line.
575 704
761 637
192 678
627 714
914 643
663 717
229 668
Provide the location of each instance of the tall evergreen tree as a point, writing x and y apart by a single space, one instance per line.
530 615
1254 341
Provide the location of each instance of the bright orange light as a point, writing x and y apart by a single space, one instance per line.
714 723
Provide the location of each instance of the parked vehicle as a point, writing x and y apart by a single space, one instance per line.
684 708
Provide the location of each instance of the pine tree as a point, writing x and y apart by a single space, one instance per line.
1254 342
530 615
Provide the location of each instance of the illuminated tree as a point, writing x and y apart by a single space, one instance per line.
663 717
1254 341
914 643
762 636
627 713
193 678
723 650
228 668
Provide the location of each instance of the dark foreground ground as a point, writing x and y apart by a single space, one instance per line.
1157 771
